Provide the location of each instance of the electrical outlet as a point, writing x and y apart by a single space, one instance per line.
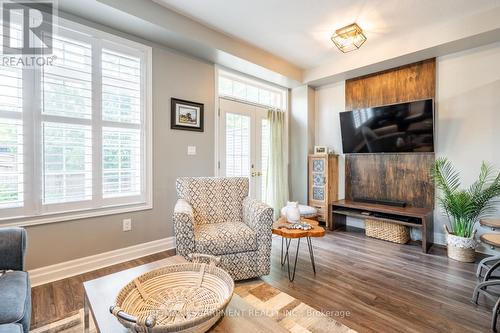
127 224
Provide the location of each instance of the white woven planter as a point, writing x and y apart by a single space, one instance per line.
461 248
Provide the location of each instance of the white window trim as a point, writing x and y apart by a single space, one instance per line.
217 71
32 176
247 79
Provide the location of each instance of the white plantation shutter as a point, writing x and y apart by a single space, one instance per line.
67 85
67 162
121 162
11 138
11 89
121 87
237 145
11 163
121 111
75 136
67 139
11 127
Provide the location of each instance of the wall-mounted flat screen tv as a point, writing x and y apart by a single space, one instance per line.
397 128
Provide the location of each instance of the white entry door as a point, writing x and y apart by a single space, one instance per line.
244 144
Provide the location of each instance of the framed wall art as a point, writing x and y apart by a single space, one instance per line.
186 115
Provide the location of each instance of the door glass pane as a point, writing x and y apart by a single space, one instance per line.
264 156
237 145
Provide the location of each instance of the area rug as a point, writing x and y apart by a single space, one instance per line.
289 312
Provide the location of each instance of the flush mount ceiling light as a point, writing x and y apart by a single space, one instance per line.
349 38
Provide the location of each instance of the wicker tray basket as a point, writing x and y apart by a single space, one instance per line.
187 297
388 231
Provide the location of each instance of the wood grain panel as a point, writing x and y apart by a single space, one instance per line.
401 177
402 84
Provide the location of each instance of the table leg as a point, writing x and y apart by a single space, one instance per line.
281 255
311 253
86 314
291 275
283 259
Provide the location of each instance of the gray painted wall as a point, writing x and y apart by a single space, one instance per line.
468 115
301 142
174 75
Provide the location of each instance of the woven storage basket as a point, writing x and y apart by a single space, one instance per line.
186 298
388 231
461 254
460 248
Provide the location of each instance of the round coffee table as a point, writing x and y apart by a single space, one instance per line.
287 235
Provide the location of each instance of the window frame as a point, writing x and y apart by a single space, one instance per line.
253 83
242 77
33 212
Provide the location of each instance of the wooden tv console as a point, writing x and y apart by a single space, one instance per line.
421 218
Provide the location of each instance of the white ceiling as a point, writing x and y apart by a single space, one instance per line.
299 30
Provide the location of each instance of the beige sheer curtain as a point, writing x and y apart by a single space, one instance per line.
277 172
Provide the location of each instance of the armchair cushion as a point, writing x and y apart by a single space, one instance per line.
12 248
225 238
15 305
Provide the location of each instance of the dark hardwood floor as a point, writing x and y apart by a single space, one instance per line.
60 299
367 284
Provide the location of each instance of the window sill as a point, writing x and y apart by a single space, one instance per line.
26 221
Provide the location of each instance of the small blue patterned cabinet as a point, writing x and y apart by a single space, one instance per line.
323 184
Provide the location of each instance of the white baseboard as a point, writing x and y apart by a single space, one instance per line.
78 266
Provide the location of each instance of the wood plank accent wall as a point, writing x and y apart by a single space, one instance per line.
401 177
402 84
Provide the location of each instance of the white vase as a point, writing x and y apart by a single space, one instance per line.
293 212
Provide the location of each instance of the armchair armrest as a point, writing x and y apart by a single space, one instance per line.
12 248
184 228
258 216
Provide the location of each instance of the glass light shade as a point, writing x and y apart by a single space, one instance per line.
349 38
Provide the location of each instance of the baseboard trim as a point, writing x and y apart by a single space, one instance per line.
78 266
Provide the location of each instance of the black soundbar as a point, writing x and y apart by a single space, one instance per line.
394 203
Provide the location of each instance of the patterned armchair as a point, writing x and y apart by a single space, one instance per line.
214 215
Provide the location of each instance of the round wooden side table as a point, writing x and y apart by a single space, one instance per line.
287 235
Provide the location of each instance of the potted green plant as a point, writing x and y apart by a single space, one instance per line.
464 207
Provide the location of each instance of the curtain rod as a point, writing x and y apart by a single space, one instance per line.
251 103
